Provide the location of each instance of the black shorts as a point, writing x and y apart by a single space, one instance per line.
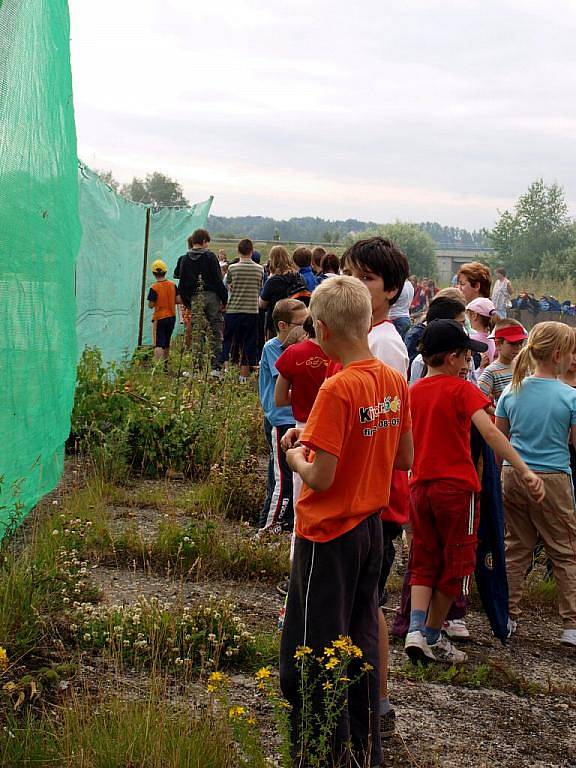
164 330
241 330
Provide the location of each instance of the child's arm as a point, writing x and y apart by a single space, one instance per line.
282 391
405 452
500 445
319 474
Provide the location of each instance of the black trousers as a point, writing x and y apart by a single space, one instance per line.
334 591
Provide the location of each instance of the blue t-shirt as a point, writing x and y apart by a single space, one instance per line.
266 383
540 414
309 278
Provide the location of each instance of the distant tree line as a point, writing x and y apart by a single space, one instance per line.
310 229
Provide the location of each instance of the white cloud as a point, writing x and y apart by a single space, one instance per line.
426 109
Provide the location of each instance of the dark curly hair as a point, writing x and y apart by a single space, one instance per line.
380 256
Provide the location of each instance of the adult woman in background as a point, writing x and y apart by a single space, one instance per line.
502 293
475 281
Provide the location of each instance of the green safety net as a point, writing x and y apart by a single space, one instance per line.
39 237
109 272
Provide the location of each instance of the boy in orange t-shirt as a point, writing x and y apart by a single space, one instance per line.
162 298
359 429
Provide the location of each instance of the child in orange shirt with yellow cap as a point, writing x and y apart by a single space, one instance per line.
162 297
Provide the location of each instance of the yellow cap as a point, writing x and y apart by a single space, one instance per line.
159 266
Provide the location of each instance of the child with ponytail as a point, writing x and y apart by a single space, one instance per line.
538 412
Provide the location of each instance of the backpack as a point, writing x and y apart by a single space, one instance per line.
296 288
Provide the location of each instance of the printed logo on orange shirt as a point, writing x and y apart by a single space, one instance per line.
372 413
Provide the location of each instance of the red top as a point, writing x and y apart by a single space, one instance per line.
304 365
442 408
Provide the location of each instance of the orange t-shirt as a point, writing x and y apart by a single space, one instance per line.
358 416
163 292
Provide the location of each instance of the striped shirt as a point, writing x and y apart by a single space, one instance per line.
244 281
494 379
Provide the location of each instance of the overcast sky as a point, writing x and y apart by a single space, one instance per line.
441 110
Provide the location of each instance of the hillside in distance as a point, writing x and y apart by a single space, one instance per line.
309 229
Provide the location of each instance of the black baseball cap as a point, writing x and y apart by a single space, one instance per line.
446 336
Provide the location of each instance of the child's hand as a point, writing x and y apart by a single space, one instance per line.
293 456
535 486
291 439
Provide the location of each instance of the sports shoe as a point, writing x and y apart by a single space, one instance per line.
568 637
417 649
456 629
282 588
216 372
444 650
512 627
388 724
272 530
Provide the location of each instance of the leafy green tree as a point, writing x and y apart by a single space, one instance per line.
418 246
156 189
539 225
108 178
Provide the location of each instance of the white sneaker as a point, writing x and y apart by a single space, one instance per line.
443 650
417 649
568 637
216 372
512 627
456 629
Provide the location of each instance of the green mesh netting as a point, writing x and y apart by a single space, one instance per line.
39 236
110 263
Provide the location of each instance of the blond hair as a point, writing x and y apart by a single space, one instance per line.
280 261
343 303
544 341
450 293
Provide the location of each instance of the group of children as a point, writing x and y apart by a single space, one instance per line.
340 417
356 457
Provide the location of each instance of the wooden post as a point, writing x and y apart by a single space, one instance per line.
144 267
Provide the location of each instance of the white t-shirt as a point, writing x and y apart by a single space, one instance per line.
401 307
386 344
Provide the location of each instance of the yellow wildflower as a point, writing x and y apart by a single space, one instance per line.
215 681
251 720
329 651
327 686
263 673
302 651
331 663
366 667
236 712
3 658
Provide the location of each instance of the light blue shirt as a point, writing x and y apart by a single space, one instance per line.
540 414
266 383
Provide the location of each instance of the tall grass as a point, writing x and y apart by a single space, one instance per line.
110 733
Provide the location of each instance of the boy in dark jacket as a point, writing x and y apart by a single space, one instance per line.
199 270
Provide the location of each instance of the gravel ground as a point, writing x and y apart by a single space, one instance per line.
437 724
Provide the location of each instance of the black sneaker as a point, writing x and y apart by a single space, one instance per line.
282 588
388 724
